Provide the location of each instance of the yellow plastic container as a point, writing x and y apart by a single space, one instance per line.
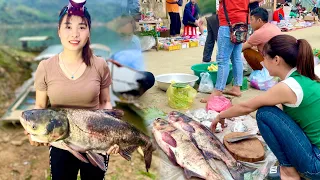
193 44
173 47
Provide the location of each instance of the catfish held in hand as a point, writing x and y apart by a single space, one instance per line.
86 131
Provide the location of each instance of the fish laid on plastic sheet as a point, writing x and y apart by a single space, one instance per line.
207 142
182 151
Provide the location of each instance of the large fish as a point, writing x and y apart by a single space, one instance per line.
86 131
207 142
181 151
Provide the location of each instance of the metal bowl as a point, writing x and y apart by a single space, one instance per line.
164 80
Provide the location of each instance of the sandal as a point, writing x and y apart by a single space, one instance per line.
274 173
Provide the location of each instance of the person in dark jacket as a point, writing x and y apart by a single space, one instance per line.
191 15
213 27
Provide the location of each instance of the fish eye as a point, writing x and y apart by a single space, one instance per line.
34 127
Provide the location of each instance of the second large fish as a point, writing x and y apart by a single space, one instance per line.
181 151
207 142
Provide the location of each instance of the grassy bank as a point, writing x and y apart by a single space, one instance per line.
15 68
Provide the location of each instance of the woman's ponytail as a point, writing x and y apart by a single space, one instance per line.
305 60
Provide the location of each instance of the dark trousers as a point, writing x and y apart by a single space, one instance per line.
213 27
175 23
65 166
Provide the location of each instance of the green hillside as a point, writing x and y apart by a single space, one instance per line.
44 11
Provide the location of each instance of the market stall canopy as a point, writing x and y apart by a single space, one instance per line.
24 40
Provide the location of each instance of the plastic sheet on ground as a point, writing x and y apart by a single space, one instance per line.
170 172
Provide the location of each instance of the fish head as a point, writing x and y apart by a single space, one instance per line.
162 125
45 125
176 116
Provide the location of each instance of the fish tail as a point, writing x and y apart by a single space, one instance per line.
147 151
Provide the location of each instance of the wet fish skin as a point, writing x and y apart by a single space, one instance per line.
87 131
207 142
181 151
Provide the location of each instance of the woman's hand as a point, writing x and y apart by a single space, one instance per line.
113 149
34 143
108 105
215 122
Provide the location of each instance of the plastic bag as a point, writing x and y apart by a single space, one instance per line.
218 103
180 96
206 84
261 80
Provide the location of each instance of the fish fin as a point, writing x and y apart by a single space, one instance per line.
126 153
117 113
75 153
196 144
217 142
92 161
172 158
147 152
187 127
210 155
96 160
166 137
190 174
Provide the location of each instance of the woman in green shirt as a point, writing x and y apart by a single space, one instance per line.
293 134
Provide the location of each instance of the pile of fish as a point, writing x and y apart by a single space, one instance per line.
191 145
91 132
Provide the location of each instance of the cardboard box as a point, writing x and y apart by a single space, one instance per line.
165 33
309 18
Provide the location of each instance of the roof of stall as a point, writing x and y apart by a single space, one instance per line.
34 38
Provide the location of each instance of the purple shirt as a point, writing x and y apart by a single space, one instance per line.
192 10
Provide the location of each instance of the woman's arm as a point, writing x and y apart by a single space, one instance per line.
41 100
279 94
105 99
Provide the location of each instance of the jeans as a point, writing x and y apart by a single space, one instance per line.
227 50
213 27
288 142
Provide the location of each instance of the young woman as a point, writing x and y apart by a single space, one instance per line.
293 134
74 78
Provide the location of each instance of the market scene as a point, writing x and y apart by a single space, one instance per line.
160 89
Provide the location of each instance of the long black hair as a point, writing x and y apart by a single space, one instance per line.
295 52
